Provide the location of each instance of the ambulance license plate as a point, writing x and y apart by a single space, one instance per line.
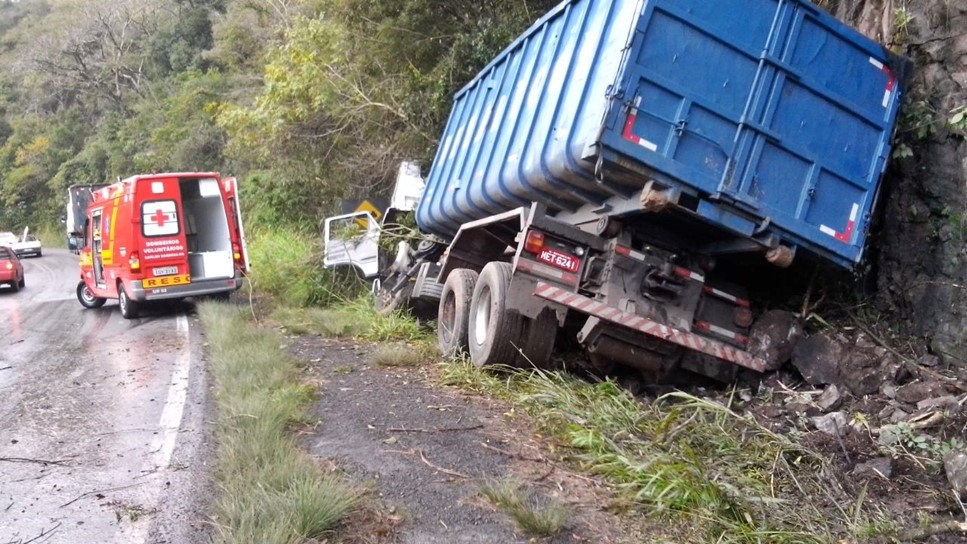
164 270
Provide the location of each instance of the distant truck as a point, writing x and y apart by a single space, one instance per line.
616 171
78 197
161 237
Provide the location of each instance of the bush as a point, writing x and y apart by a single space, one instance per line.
287 265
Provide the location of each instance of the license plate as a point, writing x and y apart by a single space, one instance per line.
164 270
559 259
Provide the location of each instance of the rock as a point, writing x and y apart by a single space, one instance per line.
774 335
833 423
882 467
831 399
862 372
888 391
818 359
899 415
917 391
929 360
955 465
945 402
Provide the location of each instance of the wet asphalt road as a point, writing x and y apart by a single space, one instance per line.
102 425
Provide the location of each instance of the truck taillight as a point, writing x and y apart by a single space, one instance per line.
534 242
134 262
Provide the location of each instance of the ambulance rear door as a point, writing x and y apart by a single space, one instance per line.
162 247
239 248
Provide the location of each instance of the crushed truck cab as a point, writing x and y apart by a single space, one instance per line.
161 237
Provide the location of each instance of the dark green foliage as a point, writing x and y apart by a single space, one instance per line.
306 105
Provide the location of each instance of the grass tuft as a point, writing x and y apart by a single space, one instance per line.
539 516
398 355
354 319
271 492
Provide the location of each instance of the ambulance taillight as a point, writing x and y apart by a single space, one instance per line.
134 263
236 252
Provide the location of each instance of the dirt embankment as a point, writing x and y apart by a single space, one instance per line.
424 451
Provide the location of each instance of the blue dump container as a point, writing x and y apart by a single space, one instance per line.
766 118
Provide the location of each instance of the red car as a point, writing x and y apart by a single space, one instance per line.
11 269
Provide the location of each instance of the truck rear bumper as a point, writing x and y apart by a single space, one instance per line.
647 326
194 289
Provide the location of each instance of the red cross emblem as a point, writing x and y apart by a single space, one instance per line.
160 217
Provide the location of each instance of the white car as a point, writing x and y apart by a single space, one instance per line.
8 239
28 246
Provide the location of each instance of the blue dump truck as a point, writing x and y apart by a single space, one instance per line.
615 170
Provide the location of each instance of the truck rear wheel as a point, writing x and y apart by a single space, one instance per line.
538 337
493 329
453 316
87 298
129 308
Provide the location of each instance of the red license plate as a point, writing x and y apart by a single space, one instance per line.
559 259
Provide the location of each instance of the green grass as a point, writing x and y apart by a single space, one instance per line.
540 516
287 266
355 319
700 471
270 491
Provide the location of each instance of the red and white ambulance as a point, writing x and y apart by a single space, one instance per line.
162 236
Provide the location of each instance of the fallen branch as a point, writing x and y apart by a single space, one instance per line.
916 423
35 461
439 430
513 455
441 469
98 492
429 464
43 533
936 529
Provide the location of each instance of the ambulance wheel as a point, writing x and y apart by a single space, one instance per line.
129 308
87 298
494 331
453 315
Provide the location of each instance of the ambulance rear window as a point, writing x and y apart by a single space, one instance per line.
159 218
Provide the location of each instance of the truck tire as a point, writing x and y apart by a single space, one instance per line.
87 298
453 315
493 331
388 297
538 337
129 308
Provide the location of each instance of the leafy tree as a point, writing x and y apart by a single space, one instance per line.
357 85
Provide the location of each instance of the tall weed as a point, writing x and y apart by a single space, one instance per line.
287 265
270 492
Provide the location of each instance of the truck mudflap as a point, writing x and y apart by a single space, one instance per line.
685 339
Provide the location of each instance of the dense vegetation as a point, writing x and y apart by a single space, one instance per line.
306 101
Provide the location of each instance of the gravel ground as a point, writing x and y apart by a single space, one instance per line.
424 451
